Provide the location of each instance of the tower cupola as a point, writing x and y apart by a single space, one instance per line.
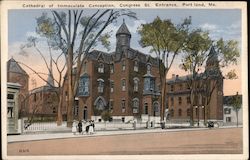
123 37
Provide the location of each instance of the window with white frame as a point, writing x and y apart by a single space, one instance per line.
135 105
148 68
123 106
123 85
101 68
136 66
100 85
123 65
112 86
136 84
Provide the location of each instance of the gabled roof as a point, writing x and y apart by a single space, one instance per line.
13 66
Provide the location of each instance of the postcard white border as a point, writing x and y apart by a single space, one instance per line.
6 5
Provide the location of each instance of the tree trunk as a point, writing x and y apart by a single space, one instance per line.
59 110
70 88
163 96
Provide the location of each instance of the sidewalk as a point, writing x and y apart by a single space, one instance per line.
47 136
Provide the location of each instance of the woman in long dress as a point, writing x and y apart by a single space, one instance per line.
91 128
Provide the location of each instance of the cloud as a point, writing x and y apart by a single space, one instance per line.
210 27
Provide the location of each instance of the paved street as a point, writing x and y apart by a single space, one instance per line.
205 141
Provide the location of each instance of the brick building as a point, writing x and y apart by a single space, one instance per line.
125 82
178 94
16 74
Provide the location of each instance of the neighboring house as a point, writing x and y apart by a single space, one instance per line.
13 91
230 113
178 95
125 82
16 74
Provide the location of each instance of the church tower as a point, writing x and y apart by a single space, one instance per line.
123 37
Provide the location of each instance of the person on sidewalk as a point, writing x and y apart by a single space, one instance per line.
91 128
80 127
74 127
87 127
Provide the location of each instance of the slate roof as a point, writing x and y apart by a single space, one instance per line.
123 29
13 66
227 100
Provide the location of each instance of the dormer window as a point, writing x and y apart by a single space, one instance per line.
136 66
148 68
101 68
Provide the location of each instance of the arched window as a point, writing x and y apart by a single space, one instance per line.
136 84
100 104
180 112
101 68
148 68
135 105
100 85
112 86
136 66
123 106
54 110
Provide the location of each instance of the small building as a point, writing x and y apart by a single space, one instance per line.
13 125
230 116
16 74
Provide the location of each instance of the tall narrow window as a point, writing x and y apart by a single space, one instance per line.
112 68
180 112
148 68
135 105
101 68
85 67
188 112
123 85
136 84
180 100
145 108
111 86
136 66
123 106
172 101
83 89
111 105
100 85
123 65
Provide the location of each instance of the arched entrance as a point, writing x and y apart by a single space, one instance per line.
85 113
99 104
156 108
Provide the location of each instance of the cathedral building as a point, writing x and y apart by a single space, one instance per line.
124 82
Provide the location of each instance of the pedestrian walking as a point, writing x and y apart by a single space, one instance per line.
91 128
87 127
80 127
74 127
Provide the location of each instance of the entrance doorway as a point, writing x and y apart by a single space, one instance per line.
85 113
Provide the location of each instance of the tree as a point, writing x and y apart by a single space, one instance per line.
197 58
236 104
106 116
62 29
166 41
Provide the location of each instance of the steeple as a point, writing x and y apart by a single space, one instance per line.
50 80
123 37
212 65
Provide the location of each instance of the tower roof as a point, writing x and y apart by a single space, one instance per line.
123 29
212 56
13 66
